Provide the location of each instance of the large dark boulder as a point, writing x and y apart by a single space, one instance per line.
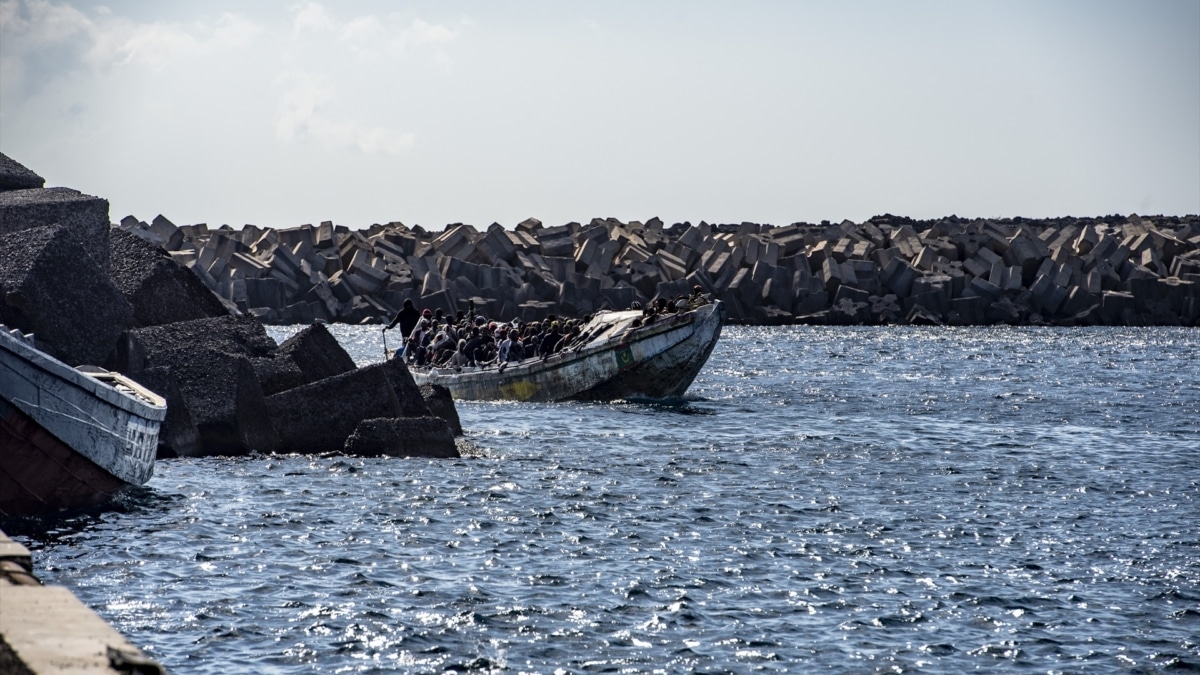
85 215
319 417
441 404
51 286
159 289
402 437
14 176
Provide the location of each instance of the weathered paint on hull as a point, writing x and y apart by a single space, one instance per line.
659 361
41 474
70 438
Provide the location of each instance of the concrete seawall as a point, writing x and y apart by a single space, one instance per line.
46 629
1113 270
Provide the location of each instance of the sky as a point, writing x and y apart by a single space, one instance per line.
284 113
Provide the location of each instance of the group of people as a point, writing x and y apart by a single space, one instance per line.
468 339
433 338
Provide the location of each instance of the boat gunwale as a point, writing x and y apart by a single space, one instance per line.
144 403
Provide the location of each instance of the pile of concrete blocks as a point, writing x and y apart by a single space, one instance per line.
100 296
1113 270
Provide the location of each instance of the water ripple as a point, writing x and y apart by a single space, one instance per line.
873 499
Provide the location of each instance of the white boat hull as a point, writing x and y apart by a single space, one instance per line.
70 436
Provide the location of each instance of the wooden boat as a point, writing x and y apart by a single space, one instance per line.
69 437
620 359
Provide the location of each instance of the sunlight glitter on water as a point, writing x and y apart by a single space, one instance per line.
862 499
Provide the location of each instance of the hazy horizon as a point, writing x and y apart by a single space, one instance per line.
362 112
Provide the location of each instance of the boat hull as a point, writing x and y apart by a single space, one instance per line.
658 361
41 474
69 438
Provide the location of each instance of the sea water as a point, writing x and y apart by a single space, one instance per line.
826 499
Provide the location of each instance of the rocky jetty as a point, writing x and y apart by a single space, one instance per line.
1112 270
100 296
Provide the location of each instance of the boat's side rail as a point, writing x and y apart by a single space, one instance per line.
150 406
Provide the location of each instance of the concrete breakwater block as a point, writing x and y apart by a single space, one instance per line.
402 437
177 435
212 363
226 402
316 354
318 417
52 287
766 274
441 404
170 344
125 300
15 176
159 289
412 402
84 214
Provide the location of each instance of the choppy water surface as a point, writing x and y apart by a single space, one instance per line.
878 499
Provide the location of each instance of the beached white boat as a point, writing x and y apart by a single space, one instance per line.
69 437
619 361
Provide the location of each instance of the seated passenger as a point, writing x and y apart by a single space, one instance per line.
459 359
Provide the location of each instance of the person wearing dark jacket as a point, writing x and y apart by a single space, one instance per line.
407 318
550 341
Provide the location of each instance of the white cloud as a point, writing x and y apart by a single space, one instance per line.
362 29
312 18
370 35
309 109
302 118
423 33
51 46
41 41
233 29
151 45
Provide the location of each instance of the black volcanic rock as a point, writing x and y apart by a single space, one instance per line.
51 286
